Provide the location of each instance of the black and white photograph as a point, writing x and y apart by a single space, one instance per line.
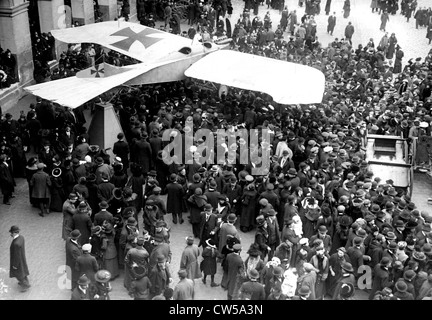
216 150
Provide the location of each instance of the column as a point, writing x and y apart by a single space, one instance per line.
108 9
133 10
53 14
15 35
104 127
82 11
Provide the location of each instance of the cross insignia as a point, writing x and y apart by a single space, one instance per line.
98 71
132 36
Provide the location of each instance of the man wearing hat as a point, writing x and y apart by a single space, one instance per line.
121 149
355 252
226 230
69 209
41 184
262 236
103 214
159 276
233 191
81 221
309 279
175 195
381 277
105 188
81 292
73 251
252 289
321 264
18 262
270 195
189 259
86 264
212 194
185 288
304 293
135 257
103 171
234 266
273 232
7 182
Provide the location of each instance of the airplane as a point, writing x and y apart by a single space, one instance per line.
165 57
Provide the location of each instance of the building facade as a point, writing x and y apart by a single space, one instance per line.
20 20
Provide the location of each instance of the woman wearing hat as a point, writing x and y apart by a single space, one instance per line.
208 265
31 169
41 184
401 291
58 196
110 256
101 288
81 221
197 204
249 206
140 286
189 259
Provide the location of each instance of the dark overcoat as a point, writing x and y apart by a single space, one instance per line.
18 263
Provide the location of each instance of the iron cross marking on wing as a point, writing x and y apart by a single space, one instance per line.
98 71
142 37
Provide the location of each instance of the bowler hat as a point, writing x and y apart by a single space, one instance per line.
75 234
427 249
409 275
392 246
401 286
131 221
385 261
189 240
277 271
232 217
103 276
83 280
357 241
152 173
182 273
347 267
390 236
254 274
399 224
419 256
103 204
304 291
14 229
99 161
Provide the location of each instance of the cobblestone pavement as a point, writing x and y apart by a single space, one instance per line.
44 245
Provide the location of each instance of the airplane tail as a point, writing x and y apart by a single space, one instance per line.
101 70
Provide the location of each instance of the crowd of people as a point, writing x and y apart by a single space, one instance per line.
319 217
7 68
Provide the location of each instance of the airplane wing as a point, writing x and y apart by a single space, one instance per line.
86 85
131 39
286 82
